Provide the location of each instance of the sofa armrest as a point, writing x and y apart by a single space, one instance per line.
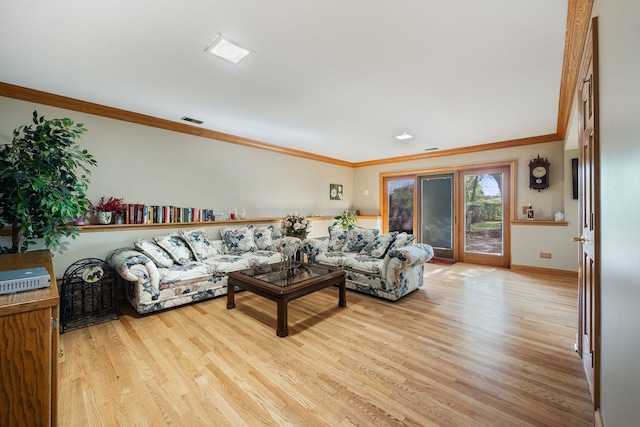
134 266
403 267
408 256
315 246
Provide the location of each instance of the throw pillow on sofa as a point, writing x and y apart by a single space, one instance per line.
155 253
337 239
238 239
378 247
199 243
359 237
176 247
263 236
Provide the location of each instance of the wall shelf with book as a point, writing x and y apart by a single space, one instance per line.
98 228
166 214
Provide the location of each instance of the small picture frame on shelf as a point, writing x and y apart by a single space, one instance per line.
530 214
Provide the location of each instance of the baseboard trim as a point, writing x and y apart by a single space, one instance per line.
548 271
598 419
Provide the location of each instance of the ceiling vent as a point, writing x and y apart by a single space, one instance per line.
190 120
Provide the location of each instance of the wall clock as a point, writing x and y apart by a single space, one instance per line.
539 173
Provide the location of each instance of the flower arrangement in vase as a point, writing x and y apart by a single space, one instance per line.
106 208
295 225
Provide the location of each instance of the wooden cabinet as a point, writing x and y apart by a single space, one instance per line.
29 347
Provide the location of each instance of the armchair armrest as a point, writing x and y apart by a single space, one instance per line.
315 246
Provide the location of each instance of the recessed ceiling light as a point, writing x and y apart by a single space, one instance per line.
226 49
403 136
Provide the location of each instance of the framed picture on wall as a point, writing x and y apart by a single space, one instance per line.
335 192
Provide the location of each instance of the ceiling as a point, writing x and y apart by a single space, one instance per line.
330 77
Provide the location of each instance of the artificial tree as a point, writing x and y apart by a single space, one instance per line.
43 180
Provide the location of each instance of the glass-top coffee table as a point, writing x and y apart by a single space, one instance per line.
269 281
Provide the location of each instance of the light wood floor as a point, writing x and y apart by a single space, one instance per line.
475 346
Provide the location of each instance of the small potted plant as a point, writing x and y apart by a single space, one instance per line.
106 208
345 219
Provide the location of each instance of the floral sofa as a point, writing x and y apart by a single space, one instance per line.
187 266
384 265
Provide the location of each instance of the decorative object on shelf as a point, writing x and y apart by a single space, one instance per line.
118 218
88 294
295 225
105 217
44 178
335 192
345 219
530 213
79 221
106 208
559 216
539 173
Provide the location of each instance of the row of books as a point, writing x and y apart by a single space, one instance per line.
155 214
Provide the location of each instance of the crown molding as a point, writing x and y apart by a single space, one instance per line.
46 98
578 18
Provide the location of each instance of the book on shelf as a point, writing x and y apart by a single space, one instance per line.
139 213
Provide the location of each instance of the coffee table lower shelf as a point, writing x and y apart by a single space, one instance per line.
289 289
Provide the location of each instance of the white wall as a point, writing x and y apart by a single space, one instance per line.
153 166
619 63
527 241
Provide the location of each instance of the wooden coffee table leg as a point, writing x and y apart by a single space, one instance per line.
282 329
230 297
342 294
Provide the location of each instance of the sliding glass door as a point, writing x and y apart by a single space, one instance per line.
484 231
464 214
436 214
